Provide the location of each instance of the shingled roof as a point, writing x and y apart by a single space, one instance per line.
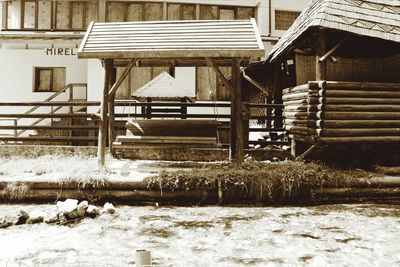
163 39
372 18
164 86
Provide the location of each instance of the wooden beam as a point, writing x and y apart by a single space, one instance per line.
237 110
220 75
101 146
320 67
111 113
333 50
255 83
121 79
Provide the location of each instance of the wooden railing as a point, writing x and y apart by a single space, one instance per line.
82 127
69 87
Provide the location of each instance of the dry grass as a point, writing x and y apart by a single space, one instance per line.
281 180
14 191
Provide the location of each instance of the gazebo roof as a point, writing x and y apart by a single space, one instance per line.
164 86
371 18
172 39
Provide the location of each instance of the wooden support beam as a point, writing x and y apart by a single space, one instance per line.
238 112
333 50
121 79
220 75
111 113
320 68
101 146
255 83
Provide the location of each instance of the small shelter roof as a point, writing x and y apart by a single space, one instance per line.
372 18
172 39
164 86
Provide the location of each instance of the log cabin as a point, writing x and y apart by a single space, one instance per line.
336 71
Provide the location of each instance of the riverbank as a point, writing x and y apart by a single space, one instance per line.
49 178
328 235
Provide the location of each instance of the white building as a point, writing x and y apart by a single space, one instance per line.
39 42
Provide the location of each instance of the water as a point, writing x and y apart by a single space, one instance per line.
332 235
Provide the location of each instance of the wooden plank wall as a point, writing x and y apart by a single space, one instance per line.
351 69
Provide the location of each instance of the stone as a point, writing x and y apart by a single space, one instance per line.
62 219
23 216
8 221
36 216
82 207
109 208
92 211
67 206
52 218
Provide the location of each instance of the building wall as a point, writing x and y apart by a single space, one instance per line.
25 53
16 70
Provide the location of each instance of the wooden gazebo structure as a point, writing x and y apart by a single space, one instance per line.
173 43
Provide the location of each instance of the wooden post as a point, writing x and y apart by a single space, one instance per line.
232 146
148 108
111 113
102 139
320 68
183 109
277 95
238 111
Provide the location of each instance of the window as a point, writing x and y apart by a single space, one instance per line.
48 14
285 19
49 79
126 11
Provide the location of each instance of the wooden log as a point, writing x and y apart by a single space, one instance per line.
361 139
101 145
316 85
238 104
298 129
359 107
308 100
301 114
373 86
298 122
336 115
358 93
355 192
358 123
348 132
297 89
302 107
362 101
299 96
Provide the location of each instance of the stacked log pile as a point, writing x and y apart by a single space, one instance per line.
343 112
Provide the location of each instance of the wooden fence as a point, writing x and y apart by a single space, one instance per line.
63 124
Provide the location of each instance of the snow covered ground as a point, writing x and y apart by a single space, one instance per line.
332 235
76 168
